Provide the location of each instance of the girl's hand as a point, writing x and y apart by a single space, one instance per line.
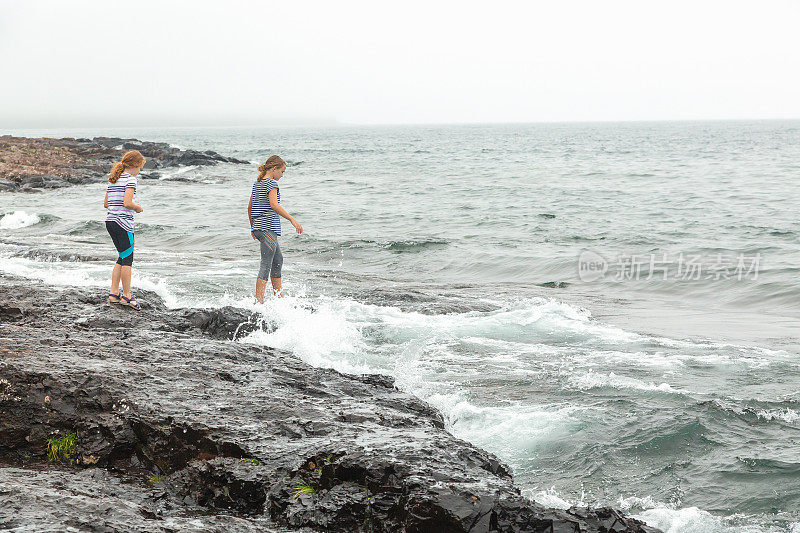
139 209
297 226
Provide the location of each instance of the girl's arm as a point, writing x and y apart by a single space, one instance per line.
250 214
127 201
105 201
273 203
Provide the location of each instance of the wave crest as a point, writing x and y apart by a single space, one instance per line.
19 219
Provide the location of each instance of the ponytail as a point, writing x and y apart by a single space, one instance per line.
273 161
116 172
130 159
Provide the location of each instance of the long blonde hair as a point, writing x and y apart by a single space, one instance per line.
273 161
130 159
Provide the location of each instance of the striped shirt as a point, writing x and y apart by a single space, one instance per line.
264 217
117 212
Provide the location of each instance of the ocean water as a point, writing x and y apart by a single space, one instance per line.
609 308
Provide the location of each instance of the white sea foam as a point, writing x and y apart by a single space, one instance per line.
686 520
787 415
669 517
18 219
549 498
532 320
222 272
672 518
695 520
592 380
159 286
322 338
53 273
635 502
724 354
178 172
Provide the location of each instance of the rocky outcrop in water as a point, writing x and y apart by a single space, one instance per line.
31 164
176 428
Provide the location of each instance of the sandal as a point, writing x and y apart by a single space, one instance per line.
130 302
112 295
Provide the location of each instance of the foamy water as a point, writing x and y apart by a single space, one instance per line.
17 220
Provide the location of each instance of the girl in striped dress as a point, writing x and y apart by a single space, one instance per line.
121 205
264 211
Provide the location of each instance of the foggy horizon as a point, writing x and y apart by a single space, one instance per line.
179 64
310 123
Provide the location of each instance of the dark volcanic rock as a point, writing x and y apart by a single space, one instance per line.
31 164
239 437
94 500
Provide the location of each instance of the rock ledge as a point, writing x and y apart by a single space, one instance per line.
31 164
178 429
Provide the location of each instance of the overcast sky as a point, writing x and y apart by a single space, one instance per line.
83 63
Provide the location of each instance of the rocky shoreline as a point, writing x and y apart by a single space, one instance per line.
176 428
32 164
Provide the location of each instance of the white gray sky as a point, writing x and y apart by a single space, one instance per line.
231 62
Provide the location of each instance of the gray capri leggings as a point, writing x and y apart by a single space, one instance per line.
271 256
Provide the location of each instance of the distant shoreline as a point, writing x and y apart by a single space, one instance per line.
30 164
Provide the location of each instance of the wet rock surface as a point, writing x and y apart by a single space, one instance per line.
179 429
92 499
33 164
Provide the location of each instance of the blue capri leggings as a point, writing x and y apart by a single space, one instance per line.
271 256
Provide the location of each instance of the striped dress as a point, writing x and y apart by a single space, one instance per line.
264 217
117 212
